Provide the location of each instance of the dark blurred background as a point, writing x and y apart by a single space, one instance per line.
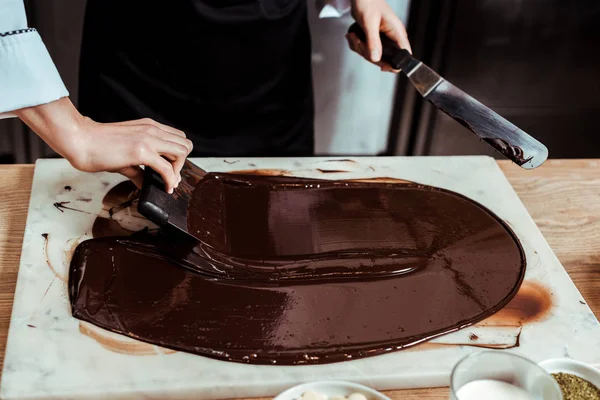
536 62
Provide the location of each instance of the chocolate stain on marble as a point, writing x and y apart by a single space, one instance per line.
61 206
122 197
331 171
69 250
425 346
233 326
121 206
121 345
46 237
532 303
518 341
122 192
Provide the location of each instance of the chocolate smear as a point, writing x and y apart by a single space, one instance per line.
302 271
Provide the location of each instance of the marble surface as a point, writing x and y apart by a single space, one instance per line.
51 355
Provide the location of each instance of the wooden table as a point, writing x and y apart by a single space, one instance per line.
562 196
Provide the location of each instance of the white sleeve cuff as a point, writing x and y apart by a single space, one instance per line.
28 77
333 8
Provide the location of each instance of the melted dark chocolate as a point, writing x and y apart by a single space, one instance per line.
302 271
515 153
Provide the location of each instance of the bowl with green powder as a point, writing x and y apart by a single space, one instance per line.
577 380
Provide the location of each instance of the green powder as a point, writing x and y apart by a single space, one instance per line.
576 388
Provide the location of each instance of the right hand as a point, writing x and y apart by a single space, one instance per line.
116 147
375 17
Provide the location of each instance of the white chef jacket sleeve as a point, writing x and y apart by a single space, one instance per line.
333 8
28 77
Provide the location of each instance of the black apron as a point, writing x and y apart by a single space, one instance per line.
234 75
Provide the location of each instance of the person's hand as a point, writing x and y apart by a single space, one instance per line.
116 147
376 16
123 146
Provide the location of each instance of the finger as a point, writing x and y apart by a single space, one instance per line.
371 25
143 153
353 42
350 40
359 47
174 152
135 174
395 30
165 128
164 169
388 68
151 122
159 133
177 164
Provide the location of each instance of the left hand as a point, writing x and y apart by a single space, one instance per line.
376 16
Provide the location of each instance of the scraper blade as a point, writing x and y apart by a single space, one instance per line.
169 209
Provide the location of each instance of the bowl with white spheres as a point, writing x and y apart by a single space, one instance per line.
331 390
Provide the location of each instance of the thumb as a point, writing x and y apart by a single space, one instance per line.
136 174
371 26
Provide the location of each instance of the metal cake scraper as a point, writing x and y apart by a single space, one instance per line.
496 131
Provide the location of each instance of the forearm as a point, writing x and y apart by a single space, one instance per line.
57 123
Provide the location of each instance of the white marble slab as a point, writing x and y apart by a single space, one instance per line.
48 356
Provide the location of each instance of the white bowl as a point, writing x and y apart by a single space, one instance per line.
573 367
331 388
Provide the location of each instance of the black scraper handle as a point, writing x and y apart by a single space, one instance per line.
391 53
154 202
